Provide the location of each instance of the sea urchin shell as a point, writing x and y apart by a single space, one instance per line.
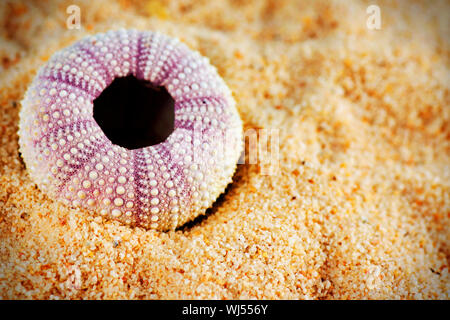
160 186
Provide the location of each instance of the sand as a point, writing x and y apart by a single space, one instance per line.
357 208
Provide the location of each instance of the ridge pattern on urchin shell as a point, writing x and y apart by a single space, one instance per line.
161 186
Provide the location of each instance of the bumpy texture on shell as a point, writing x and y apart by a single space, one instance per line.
161 186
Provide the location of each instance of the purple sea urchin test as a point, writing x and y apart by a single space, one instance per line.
160 186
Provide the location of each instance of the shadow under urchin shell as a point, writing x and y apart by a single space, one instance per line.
240 178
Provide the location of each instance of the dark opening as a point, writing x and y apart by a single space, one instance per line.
134 113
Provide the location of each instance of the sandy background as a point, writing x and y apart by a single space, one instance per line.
359 206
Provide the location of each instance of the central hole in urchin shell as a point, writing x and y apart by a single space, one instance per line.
134 113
